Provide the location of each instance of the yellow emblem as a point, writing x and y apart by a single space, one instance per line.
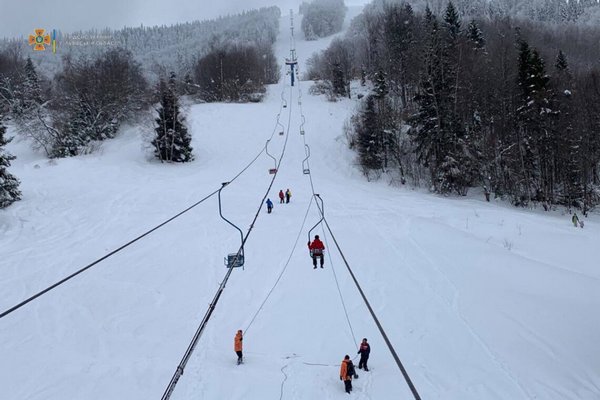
39 40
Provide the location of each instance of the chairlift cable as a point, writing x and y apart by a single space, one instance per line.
260 308
188 353
119 249
366 301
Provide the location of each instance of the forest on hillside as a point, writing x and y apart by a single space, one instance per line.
66 104
507 104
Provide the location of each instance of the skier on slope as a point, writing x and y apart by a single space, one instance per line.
281 196
316 250
364 351
237 346
269 206
347 373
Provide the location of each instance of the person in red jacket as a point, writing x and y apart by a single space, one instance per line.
316 250
281 196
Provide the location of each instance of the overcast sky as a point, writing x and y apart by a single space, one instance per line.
19 18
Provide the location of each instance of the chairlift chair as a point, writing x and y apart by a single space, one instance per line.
272 171
305 168
302 125
233 260
317 252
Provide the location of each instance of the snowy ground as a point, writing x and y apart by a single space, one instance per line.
481 300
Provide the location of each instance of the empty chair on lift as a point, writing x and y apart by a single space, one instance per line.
233 260
305 168
272 171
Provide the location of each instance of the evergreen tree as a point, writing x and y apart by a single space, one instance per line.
29 93
380 89
9 185
172 141
569 140
427 131
384 118
76 133
452 22
399 40
475 35
338 79
369 150
537 138
442 143
31 87
561 64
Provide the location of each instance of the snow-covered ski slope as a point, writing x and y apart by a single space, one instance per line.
481 301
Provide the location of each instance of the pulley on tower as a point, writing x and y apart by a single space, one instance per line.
292 61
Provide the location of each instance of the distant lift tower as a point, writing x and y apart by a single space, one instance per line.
292 61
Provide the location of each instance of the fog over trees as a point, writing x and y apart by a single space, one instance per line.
321 18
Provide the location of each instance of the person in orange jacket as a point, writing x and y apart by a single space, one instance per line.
316 250
237 346
347 373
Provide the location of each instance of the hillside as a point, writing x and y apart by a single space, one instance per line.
480 300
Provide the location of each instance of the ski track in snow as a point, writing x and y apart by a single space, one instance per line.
481 300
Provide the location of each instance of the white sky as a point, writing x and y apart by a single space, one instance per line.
19 18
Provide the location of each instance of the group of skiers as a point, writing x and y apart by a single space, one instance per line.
347 371
283 197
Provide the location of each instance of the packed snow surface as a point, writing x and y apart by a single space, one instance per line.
480 300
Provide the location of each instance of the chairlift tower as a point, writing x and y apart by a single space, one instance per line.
292 61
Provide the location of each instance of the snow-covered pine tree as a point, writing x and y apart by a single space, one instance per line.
398 31
385 118
427 133
76 134
475 35
172 142
368 140
338 81
9 185
569 141
32 91
537 136
29 93
309 32
561 64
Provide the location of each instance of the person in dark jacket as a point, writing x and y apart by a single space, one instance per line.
288 195
269 206
364 352
316 248
347 373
